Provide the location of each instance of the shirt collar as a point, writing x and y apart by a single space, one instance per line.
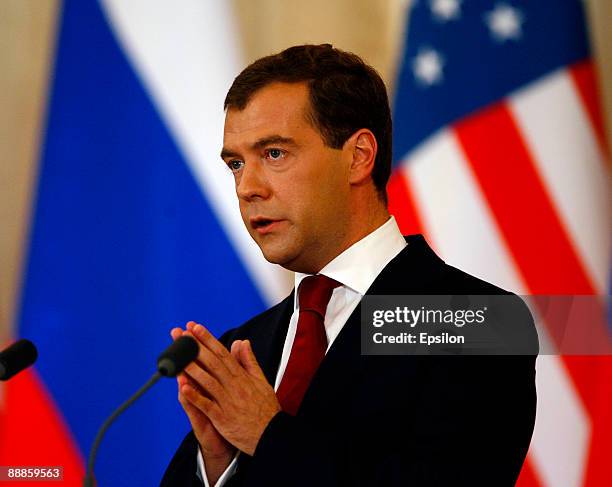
360 264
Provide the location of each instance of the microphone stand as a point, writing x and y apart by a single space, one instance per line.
89 480
170 363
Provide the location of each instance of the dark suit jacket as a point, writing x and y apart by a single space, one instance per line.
388 420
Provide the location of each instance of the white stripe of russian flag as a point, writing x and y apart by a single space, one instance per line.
187 56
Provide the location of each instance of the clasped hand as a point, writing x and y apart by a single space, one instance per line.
225 394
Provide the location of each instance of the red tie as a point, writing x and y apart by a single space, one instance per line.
310 341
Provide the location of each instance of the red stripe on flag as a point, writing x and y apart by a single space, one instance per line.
594 378
527 219
542 249
32 432
528 476
402 204
583 76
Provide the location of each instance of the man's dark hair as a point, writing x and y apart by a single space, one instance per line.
346 95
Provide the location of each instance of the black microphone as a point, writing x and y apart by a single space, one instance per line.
20 355
177 356
170 363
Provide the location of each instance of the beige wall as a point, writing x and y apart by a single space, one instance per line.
370 28
373 29
26 33
600 18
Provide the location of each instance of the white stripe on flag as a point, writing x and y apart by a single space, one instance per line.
457 219
560 440
460 225
187 56
554 124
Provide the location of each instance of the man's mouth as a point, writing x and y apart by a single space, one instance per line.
263 225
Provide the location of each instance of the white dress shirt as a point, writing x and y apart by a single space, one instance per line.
355 269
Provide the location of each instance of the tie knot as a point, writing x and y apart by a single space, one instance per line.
315 292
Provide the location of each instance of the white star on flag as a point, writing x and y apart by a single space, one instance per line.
445 10
505 22
427 66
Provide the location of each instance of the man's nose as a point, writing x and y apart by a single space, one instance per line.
252 182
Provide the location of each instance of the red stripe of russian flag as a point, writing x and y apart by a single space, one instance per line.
34 432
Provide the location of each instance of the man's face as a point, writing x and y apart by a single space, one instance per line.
293 190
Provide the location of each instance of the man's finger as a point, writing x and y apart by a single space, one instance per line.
211 363
202 403
190 409
207 339
249 361
213 354
193 413
207 382
183 379
235 349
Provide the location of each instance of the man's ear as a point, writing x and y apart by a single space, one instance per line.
364 151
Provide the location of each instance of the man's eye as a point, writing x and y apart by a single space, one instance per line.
235 165
275 154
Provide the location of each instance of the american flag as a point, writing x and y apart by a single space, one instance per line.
501 161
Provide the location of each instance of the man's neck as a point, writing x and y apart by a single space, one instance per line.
365 229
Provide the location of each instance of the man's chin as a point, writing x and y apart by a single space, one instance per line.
279 249
276 258
289 261
274 253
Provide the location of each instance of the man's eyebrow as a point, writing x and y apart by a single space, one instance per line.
228 153
272 139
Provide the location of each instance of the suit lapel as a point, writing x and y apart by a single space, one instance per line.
411 272
268 340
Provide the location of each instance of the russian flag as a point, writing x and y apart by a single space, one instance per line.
135 229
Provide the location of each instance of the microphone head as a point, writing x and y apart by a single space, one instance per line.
177 356
20 355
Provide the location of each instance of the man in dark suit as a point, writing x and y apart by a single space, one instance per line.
287 398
